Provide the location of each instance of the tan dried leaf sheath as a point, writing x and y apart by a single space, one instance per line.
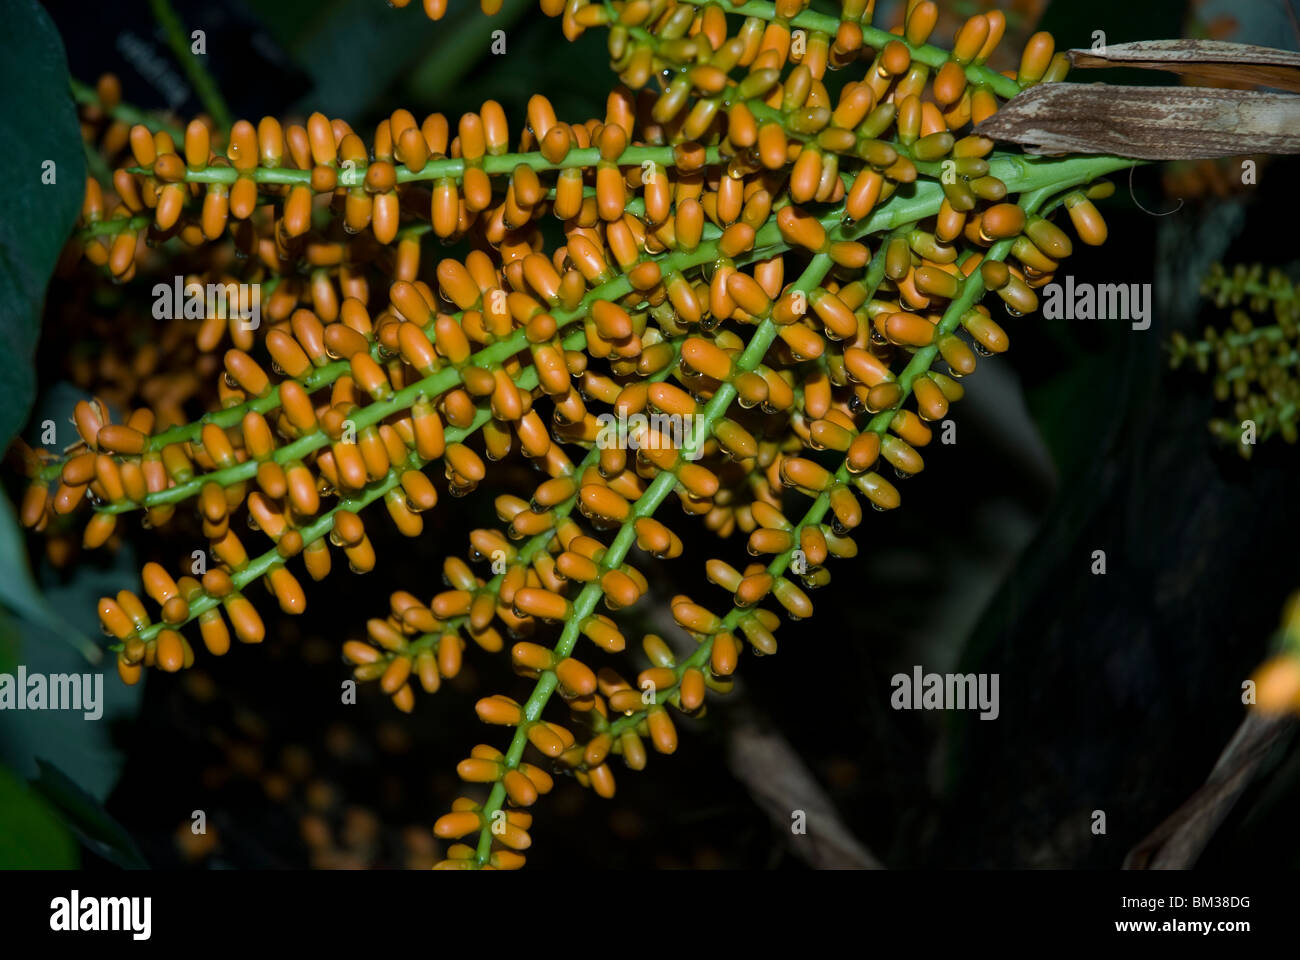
1149 123
1212 61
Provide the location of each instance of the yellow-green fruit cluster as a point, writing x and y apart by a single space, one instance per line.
1254 360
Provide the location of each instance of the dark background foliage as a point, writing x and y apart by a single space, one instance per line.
1117 691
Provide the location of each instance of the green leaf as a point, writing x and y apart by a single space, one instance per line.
38 127
84 748
10 643
86 817
31 836
19 593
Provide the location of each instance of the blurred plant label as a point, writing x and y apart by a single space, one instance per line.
56 691
152 64
74 913
946 691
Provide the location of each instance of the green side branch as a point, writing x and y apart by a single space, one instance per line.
354 175
921 362
534 545
322 525
972 289
872 279
769 238
931 56
584 605
897 211
921 200
539 541
125 112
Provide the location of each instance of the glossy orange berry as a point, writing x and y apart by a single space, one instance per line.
1019 296
602 781
519 789
452 825
695 618
543 604
895 58
197 145
995 274
950 83
909 329
499 710
1002 221
1049 238
1088 222
692 689
805 473
216 636
601 501
287 590
245 619
984 104
120 439
1036 58
724 654
921 21
170 655
115 619
878 490
930 400
662 732
989 335
129 673
297 210
772 146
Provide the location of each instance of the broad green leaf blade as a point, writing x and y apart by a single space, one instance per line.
86 817
19 592
40 193
31 836
82 747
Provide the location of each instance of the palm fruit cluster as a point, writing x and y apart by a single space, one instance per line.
797 276
1254 358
